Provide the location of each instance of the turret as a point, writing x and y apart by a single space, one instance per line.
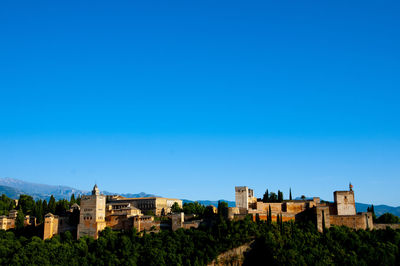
95 190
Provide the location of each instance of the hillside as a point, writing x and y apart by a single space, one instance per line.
10 192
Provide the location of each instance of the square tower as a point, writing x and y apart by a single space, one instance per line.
244 196
345 202
92 215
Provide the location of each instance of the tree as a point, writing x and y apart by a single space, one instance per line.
72 201
269 216
52 205
388 218
78 200
266 196
20 220
273 197
26 203
45 208
223 209
372 210
290 194
38 212
175 207
280 196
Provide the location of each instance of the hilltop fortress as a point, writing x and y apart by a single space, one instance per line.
97 211
324 214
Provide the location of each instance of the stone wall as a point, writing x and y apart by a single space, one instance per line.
359 221
262 207
323 219
177 220
384 226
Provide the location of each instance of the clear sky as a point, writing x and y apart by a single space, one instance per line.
187 99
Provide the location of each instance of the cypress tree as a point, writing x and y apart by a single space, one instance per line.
280 196
269 215
266 196
45 208
72 201
19 222
52 205
290 194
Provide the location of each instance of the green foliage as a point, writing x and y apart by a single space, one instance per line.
52 205
38 209
223 209
278 243
280 196
175 207
290 194
265 196
388 218
26 203
72 200
272 196
371 209
19 222
194 208
301 244
6 204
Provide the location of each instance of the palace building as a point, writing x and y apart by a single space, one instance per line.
324 214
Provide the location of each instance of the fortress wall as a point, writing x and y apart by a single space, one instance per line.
384 226
295 207
262 207
359 221
285 217
323 218
119 222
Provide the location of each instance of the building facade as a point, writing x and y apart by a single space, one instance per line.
92 214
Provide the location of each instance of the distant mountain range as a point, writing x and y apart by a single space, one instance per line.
14 187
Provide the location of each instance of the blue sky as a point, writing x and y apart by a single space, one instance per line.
189 98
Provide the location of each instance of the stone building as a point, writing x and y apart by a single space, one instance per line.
178 221
341 212
92 215
156 205
8 222
119 213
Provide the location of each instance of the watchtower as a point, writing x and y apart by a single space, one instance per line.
345 202
92 214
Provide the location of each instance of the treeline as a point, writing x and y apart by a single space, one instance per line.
280 243
301 244
195 208
274 197
39 208
386 218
